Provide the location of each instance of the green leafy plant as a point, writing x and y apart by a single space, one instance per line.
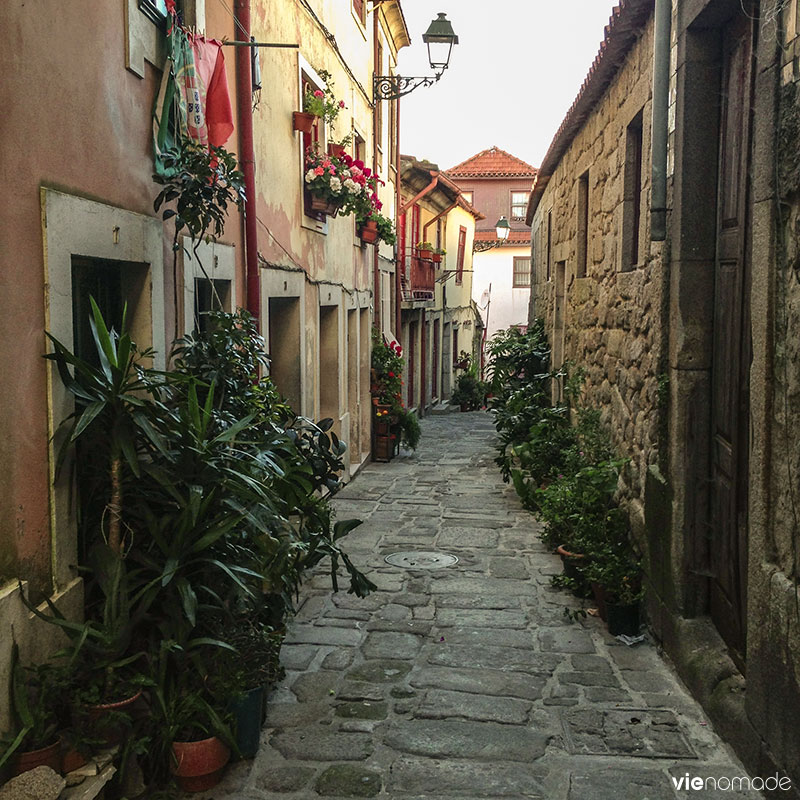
33 705
323 103
470 392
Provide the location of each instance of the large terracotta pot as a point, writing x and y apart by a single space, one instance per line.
368 236
49 756
198 766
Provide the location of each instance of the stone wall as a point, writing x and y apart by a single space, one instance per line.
612 315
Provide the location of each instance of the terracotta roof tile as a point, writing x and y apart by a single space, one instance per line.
514 237
492 163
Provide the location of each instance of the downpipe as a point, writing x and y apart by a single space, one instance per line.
660 132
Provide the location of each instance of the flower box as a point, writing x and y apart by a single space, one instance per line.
437 258
425 255
324 205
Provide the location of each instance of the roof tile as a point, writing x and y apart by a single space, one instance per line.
492 163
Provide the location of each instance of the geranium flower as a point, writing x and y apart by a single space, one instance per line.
336 185
359 163
341 104
367 172
318 93
319 171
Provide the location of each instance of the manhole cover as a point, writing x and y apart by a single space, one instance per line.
421 559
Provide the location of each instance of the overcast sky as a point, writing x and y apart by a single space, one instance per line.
514 74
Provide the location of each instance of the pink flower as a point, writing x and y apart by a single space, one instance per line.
341 104
326 163
359 163
319 171
367 172
331 170
378 205
318 93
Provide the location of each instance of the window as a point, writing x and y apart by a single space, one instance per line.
359 148
155 9
360 10
519 204
462 246
583 225
632 198
314 139
392 134
522 272
468 196
209 295
549 244
379 103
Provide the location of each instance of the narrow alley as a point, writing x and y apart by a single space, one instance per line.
466 679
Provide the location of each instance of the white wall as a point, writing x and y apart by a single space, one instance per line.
508 306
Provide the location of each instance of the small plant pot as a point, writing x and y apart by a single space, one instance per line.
198 766
302 121
336 150
368 236
425 255
571 562
623 619
49 756
247 717
437 258
113 731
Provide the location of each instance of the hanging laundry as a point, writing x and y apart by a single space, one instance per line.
209 64
193 101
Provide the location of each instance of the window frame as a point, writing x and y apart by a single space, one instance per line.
462 247
307 76
151 9
515 273
632 194
523 205
582 208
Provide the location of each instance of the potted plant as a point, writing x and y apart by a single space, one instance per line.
323 103
339 149
438 254
325 180
36 742
424 250
616 577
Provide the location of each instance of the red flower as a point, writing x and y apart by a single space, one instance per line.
391 374
341 104
358 163
319 171
318 93
367 172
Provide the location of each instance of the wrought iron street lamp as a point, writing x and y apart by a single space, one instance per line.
439 39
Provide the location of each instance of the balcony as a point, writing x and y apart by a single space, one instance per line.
418 281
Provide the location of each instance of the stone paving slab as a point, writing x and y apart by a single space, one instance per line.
470 681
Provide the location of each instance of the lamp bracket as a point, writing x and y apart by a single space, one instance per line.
390 87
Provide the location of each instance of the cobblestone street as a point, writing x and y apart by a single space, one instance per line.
467 681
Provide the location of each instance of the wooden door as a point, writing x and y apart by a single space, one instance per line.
732 351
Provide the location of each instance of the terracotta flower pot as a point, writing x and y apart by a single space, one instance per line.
198 766
571 562
49 756
425 255
72 759
302 121
336 150
113 731
599 593
368 236
437 258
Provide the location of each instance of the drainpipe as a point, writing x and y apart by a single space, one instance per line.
376 274
247 160
660 132
398 287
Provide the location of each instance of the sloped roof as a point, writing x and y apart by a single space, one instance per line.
624 27
492 163
415 175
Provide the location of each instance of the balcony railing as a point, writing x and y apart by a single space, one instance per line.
420 279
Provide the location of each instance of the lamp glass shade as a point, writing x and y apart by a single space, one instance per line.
440 39
502 229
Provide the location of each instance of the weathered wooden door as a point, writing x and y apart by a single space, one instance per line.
732 351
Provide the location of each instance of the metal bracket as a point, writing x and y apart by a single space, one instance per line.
390 87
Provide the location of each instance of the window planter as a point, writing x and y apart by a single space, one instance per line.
303 121
437 258
425 255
